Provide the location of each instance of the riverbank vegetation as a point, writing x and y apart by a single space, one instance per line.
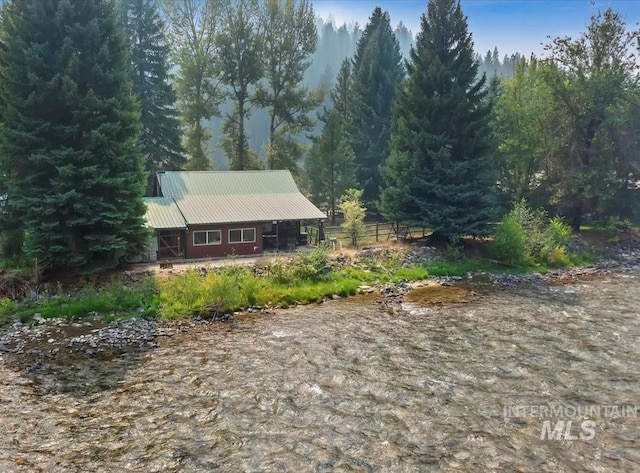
526 241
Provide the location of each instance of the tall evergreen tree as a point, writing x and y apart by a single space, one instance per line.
377 70
439 173
340 94
330 166
161 127
71 136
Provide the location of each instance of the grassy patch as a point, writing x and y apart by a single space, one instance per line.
192 293
273 294
308 278
458 268
411 273
587 257
112 301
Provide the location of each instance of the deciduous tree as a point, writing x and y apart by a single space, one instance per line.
289 37
239 59
354 212
594 79
193 26
530 131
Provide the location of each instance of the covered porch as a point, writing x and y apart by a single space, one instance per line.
283 235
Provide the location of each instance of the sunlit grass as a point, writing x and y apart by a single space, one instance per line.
309 278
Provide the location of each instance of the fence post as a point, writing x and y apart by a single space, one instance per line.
377 231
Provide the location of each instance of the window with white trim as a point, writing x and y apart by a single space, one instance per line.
207 237
242 235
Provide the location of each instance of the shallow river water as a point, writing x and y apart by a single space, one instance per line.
347 387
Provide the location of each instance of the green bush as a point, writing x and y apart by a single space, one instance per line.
510 241
192 293
533 224
555 256
454 250
524 235
614 224
311 265
557 234
181 295
555 240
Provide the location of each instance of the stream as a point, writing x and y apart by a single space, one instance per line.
346 386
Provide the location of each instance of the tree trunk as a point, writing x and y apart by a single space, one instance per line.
576 218
240 144
333 210
333 197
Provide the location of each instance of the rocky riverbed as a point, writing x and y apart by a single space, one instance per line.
347 386
51 342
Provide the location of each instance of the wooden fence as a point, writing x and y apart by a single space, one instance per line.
374 232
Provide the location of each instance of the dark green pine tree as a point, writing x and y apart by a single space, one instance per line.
439 174
340 94
161 128
330 165
70 140
377 70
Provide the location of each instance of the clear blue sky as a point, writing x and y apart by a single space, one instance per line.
511 25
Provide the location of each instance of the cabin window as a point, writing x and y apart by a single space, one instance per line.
242 235
208 237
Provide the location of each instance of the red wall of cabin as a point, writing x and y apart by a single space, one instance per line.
225 248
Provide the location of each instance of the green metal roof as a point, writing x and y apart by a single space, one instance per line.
163 213
204 197
204 209
179 184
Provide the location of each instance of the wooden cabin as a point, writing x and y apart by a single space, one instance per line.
210 214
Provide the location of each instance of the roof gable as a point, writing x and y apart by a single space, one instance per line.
179 184
217 197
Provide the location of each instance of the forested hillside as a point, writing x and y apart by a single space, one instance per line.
95 97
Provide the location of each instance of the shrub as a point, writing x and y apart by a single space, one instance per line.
311 265
533 223
454 250
221 292
557 234
354 213
510 242
181 295
555 256
524 235
614 224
